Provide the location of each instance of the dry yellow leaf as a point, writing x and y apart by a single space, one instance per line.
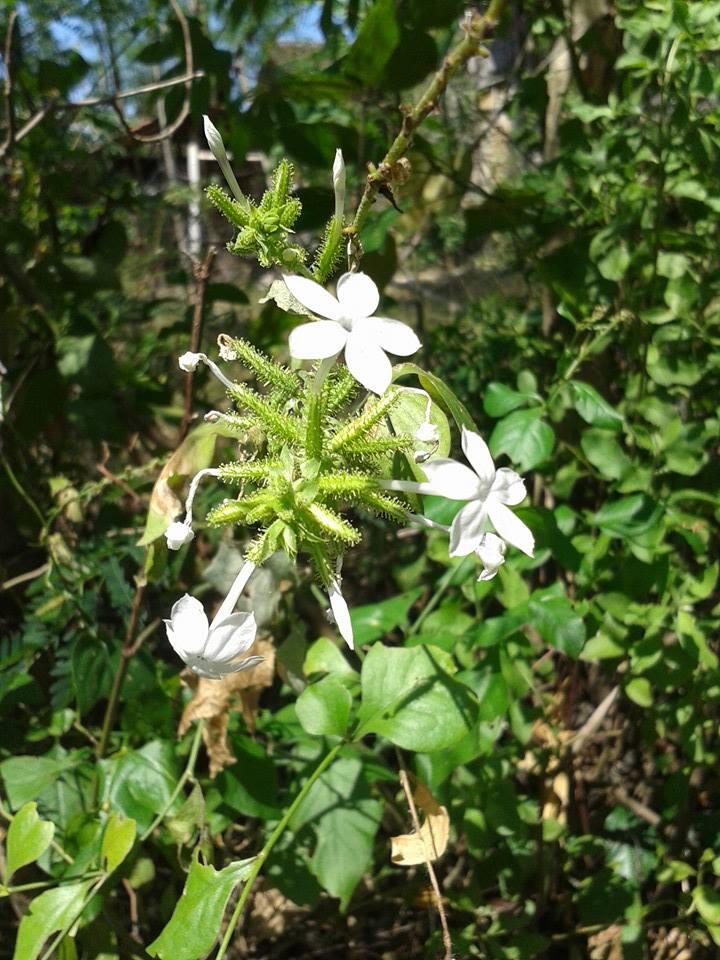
430 843
214 699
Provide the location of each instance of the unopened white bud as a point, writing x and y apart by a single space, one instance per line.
178 534
427 433
189 361
339 184
215 142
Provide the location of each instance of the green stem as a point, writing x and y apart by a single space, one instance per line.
23 492
71 923
188 774
469 46
445 582
271 841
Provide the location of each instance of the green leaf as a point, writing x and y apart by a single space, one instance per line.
707 902
629 517
672 265
409 697
50 912
28 837
374 620
557 623
605 453
376 39
500 400
640 691
439 391
593 408
195 924
323 708
140 782
524 437
345 817
92 672
611 255
118 840
409 413
26 777
194 453
189 817
324 656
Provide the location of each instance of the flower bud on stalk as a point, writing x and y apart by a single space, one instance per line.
339 185
215 142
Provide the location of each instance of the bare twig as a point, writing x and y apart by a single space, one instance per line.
169 130
447 942
24 577
593 721
127 650
477 28
8 64
201 272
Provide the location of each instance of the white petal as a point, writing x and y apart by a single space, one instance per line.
451 479
231 637
317 340
341 613
357 294
313 296
189 625
189 361
368 364
509 487
491 551
510 527
478 454
178 534
391 335
214 671
467 529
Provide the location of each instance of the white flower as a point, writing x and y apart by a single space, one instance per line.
490 493
178 534
341 613
350 324
491 551
210 651
189 361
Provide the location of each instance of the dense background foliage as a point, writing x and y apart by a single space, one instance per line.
556 249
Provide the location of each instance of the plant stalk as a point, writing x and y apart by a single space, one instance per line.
271 841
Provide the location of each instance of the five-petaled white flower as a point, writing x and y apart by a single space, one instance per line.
211 651
490 494
350 324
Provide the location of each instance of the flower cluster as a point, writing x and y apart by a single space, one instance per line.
325 449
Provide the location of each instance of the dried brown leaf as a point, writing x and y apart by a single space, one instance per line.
430 843
213 700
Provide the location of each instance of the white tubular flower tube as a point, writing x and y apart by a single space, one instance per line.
189 362
233 594
211 649
341 613
194 483
215 142
339 185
